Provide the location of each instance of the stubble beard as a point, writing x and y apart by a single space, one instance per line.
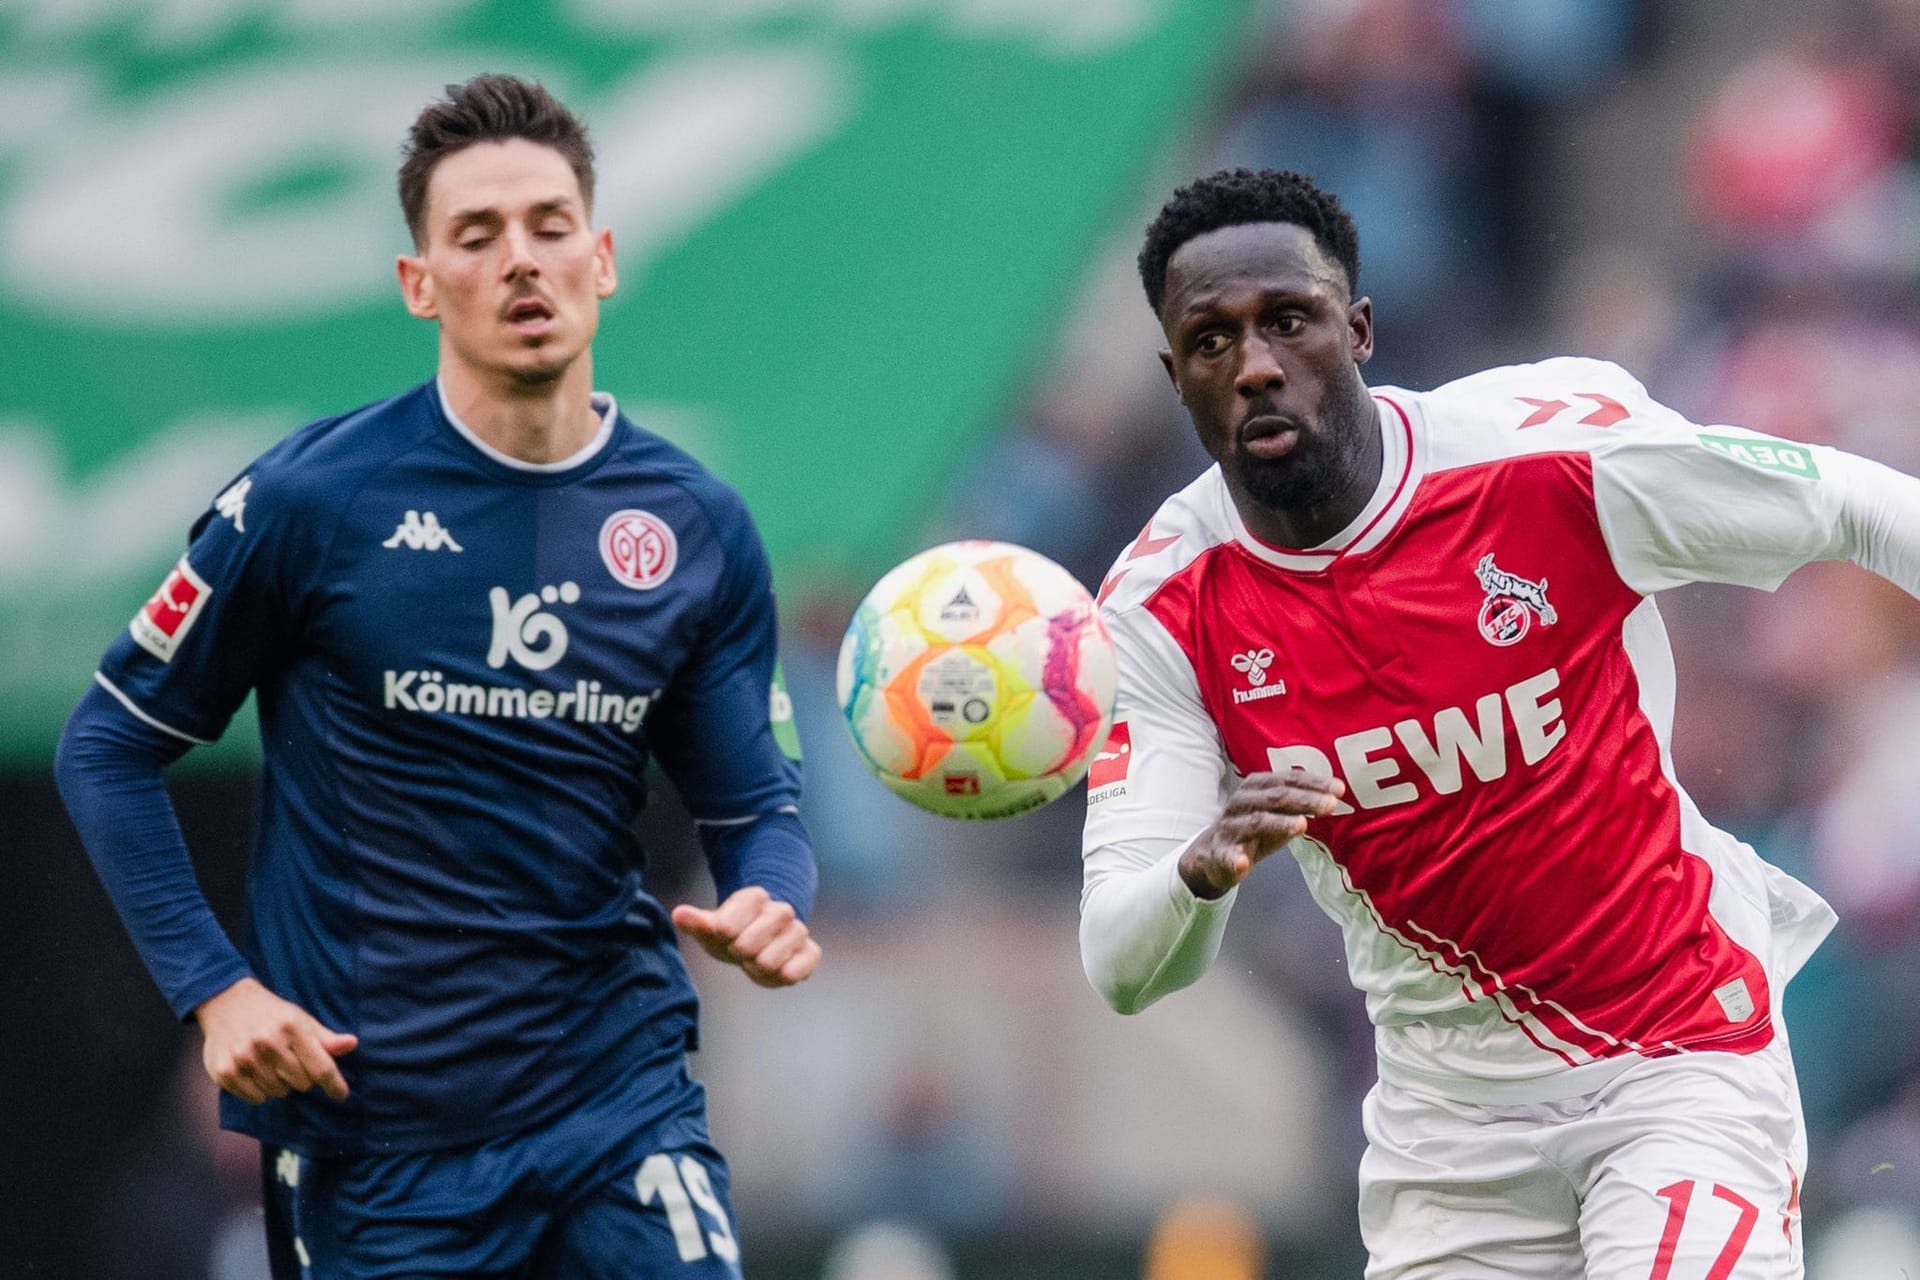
1320 464
547 366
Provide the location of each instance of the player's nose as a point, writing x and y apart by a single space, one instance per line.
1260 370
519 259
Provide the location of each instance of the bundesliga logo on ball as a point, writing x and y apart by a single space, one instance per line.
977 680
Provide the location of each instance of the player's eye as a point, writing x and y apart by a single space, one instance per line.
1211 344
1289 323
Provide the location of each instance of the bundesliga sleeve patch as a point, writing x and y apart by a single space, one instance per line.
165 619
1109 766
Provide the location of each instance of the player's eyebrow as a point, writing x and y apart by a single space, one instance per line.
491 215
1203 306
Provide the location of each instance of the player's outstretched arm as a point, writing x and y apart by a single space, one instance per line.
259 1046
763 936
1267 810
1151 918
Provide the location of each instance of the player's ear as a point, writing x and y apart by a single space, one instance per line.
605 277
416 287
1360 329
1166 362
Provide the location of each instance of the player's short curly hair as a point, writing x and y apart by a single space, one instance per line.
1234 196
487 108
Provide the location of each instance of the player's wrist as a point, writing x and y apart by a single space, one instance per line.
1196 869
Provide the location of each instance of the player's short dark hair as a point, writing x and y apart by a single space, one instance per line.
1234 196
487 108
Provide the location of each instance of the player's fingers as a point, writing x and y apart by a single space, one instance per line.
1297 778
694 920
739 910
772 920
1309 778
338 1043
804 962
1286 793
798 968
1261 832
226 1073
770 956
318 1065
243 1089
270 1062
255 1084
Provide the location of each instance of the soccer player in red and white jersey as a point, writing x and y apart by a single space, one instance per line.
1410 639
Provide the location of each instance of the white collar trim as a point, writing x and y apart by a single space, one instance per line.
1400 467
602 402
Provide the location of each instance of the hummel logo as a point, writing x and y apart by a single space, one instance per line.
1253 664
233 503
422 533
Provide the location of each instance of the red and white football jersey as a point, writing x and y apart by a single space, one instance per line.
1529 899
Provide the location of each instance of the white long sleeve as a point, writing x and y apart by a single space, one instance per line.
1879 519
1681 503
1143 933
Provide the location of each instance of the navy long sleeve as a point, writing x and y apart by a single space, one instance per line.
108 769
772 851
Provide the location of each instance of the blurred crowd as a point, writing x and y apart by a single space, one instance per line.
1725 198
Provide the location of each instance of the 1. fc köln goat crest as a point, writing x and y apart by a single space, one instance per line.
1512 603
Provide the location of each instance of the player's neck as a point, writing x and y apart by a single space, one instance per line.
539 423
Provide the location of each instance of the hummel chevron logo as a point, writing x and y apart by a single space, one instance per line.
422 533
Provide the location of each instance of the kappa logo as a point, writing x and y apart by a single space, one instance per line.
167 616
419 532
1253 665
522 632
232 504
1511 605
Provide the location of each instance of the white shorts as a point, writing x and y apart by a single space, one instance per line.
1681 1168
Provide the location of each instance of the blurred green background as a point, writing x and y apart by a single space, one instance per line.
842 228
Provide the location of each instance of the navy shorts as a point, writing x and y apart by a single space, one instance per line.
581 1196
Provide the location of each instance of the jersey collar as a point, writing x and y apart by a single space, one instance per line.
1402 460
603 404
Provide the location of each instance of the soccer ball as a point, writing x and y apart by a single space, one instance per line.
977 679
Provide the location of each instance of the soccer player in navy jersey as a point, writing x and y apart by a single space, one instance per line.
1411 639
459 1023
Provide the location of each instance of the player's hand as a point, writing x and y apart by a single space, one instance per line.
1268 810
259 1046
756 932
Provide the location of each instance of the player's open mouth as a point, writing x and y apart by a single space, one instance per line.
1269 436
530 315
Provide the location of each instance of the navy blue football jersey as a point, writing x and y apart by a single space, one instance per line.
463 666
